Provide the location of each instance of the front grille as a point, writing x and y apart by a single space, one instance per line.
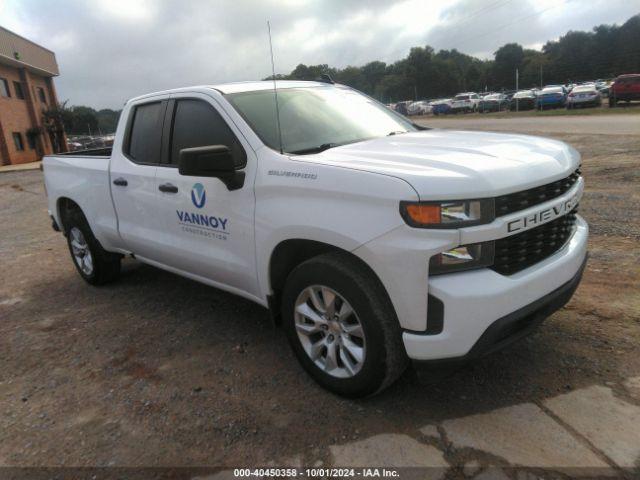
522 250
513 202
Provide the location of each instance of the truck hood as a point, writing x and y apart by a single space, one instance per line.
448 165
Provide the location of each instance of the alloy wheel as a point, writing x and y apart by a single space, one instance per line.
330 331
81 252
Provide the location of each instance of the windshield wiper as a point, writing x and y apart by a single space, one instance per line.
396 132
318 149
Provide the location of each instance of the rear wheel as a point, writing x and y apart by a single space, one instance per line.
342 326
94 264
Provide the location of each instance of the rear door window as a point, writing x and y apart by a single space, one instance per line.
198 124
145 133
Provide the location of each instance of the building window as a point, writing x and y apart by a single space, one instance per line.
17 140
43 99
17 87
31 141
4 88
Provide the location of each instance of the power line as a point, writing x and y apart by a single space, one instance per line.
502 27
493 6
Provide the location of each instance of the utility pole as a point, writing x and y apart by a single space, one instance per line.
415 93
540 75
517 109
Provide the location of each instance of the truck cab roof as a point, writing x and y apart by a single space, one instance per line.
237 87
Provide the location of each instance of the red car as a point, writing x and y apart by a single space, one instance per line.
625 88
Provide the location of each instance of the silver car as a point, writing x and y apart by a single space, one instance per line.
584 96
420 107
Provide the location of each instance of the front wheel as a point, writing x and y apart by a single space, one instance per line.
342 326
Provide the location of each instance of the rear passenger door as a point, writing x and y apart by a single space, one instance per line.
208 229
133 177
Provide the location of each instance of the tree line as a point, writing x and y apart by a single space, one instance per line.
604 52
81 120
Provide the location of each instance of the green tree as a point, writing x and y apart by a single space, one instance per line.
508 58
108 120
604 52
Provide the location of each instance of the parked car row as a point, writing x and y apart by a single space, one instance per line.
89 142
624 88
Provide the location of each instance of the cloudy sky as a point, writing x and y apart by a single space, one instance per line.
111 50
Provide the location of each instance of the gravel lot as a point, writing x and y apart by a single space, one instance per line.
157 370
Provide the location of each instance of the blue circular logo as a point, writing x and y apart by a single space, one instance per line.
198 195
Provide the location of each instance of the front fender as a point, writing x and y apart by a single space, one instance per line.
341 207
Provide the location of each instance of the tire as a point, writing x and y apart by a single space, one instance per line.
350 283
94 264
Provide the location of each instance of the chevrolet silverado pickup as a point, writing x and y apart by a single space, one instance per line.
372 241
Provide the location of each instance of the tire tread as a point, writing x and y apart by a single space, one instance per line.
106 264
395 361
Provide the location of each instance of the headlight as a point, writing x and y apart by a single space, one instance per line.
464 257
453 214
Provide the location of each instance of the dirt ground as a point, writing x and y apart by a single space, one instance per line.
157 370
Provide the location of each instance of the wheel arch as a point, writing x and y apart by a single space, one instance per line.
290 253
64 207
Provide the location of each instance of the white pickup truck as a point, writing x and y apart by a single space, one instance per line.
372 240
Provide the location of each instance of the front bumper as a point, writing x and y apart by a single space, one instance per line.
584 101
552 102
522 322
522 104
625 96
476 303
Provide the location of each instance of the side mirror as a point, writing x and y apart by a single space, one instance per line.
211 161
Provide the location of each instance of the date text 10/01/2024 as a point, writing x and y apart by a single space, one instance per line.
317 472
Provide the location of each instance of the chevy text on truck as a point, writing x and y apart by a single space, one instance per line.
372 240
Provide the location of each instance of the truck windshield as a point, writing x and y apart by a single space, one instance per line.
314 119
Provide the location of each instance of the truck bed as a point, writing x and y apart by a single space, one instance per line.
83 178
93 152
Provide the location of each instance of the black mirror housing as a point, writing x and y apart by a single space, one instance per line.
211 161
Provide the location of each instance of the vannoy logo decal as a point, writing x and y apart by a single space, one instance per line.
202 223
198 195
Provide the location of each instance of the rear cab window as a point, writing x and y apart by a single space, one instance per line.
145 133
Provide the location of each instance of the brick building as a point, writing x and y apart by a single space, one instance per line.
26 90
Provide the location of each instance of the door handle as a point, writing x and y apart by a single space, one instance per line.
168 188
121 182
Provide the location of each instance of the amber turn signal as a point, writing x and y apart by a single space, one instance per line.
421 214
